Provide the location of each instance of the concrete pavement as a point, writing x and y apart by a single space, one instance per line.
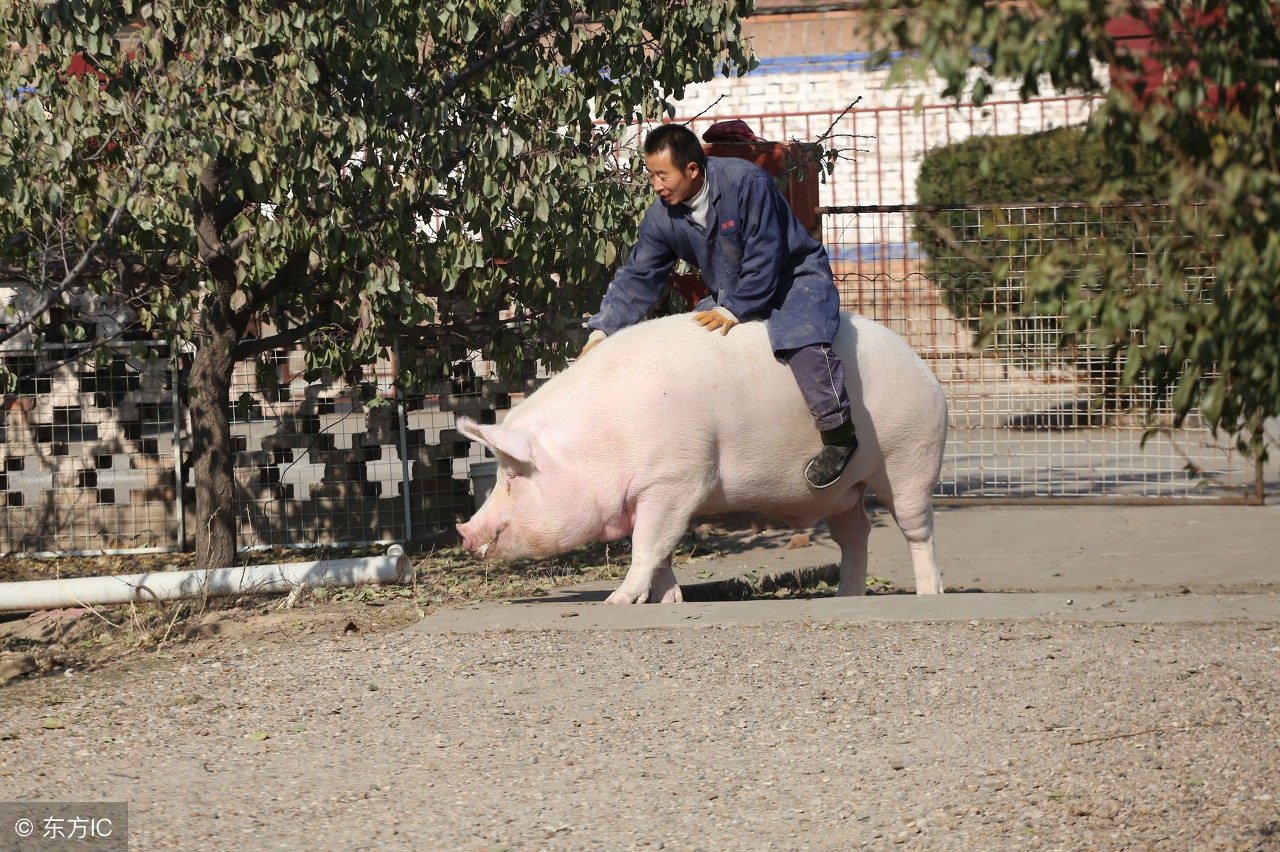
1171 563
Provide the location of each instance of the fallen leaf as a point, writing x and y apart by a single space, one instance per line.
257 737
53 723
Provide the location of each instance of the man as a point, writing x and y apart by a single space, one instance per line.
726 216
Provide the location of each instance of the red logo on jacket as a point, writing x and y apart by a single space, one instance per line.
729 224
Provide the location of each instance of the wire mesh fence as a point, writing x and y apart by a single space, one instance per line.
89 453
92 455
1029 419
879 149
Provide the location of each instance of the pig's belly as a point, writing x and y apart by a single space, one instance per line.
797 507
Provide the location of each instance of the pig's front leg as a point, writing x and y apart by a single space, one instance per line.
648 585
664 588
651 579
631 591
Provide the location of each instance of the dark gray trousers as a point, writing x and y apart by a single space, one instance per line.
820 374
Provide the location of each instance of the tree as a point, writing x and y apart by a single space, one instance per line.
346 174
1212 107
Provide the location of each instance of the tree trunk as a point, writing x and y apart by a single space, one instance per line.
212 450
218 330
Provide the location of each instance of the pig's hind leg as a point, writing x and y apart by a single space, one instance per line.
660 523
911 505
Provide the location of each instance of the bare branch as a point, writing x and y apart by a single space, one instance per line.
826 134
1144 731
77 271
710 107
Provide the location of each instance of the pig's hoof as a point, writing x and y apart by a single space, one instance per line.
672 595
622 596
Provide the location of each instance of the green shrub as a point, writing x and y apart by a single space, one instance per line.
978 257
1055 165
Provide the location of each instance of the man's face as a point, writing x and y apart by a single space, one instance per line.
673 185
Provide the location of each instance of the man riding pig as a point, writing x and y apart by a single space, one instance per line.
727 217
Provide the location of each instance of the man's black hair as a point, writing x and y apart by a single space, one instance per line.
679 142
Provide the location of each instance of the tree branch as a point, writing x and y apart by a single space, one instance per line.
102 344
248 348
949 237
94 248
540 27
291 274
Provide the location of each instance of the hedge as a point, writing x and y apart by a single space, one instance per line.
978 257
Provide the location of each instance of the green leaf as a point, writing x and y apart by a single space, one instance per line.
361 168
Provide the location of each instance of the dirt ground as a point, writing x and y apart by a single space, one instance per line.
318 723
39 645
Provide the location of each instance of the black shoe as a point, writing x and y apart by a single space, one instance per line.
826 466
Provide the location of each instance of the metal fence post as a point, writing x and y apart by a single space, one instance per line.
175 379
404 452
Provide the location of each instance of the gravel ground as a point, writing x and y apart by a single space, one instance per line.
808 736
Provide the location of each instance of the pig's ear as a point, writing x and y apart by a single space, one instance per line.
514 447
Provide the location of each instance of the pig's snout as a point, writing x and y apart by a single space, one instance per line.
469 543
468 540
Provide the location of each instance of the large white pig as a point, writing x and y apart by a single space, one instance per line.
665 421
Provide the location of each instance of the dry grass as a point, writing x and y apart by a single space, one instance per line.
41 644
46 642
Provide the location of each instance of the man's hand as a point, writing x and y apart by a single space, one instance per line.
717 320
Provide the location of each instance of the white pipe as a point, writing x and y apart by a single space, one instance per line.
395 566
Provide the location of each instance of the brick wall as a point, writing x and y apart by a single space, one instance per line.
886 137
814 65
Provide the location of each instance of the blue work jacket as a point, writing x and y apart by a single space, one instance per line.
756 259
